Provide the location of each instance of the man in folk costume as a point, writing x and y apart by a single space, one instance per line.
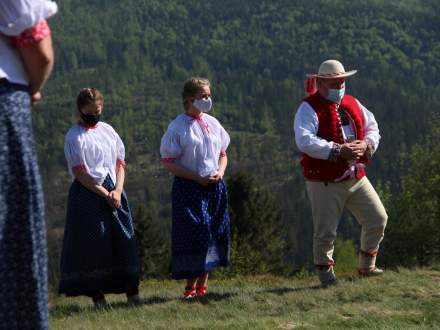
337 136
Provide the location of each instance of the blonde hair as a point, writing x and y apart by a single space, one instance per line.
88 95
191 87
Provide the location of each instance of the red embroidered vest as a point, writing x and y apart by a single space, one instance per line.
330 129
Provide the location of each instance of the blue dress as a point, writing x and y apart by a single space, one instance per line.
23 254
99 249
200 228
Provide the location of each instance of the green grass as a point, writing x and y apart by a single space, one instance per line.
405 299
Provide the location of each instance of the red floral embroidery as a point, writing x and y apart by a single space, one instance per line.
32 35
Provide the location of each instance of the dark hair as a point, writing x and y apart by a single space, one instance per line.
191 87
87 96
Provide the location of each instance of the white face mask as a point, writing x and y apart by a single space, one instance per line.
203 105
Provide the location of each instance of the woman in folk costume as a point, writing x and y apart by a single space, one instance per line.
26 60
338 136
194 150
99 250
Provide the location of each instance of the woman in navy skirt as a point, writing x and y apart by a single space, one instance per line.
99 250
26 60
194 150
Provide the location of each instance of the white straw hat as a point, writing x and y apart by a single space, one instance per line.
332 69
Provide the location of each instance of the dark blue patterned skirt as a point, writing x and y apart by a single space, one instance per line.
99 248
201 228
23 255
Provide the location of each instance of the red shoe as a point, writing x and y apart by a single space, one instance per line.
190 292
201 291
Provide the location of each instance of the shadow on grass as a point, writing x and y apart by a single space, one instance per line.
210 296
72 309
154 300
284 290
67 310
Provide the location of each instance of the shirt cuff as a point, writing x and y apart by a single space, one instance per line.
168 160
79 168
120 162
370 148
335 152
222 154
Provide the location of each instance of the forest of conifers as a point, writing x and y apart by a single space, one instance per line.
256 54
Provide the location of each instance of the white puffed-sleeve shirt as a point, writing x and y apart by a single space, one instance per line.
195 143
15 17
98 150
306 127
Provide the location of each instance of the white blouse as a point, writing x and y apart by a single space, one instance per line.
96 150
195 144
306 127
15 17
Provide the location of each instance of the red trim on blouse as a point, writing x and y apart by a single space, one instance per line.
195 116
120 162
222 154
79 168
85 125
32 35
199 119
168 160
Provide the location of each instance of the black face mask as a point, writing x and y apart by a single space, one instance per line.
90 120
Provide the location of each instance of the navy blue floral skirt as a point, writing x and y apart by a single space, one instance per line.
99 249
200 228
23 255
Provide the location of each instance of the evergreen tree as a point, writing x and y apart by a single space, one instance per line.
258 234
413 235
153 250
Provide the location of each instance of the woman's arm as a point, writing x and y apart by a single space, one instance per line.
222 163
38 60
115 195
179 171
120 178
87 181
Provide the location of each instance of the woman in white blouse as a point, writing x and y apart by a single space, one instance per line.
26 60
194 150
99 250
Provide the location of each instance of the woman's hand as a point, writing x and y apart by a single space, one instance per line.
210 179
36 97
114 198
204 180
218 177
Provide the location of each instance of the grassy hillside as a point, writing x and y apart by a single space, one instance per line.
403 299
138 52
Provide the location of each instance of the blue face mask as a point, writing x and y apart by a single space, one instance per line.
203 105
335 95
